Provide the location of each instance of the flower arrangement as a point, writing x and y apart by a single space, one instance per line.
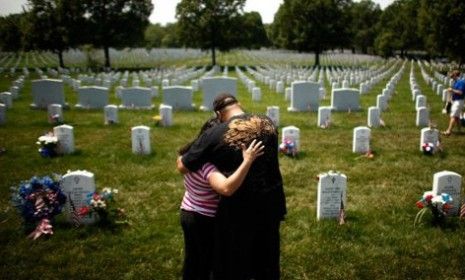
428 148
39 200
103 204
48 144
438 204
288 147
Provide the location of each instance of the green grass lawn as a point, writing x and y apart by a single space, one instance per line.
377 242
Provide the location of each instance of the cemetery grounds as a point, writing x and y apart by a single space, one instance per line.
378 240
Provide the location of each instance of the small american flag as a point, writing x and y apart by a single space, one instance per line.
462 211
76 218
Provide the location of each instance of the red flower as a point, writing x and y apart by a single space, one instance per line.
97 196
428 198
84 211
420 204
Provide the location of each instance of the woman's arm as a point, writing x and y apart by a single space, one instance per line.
228 185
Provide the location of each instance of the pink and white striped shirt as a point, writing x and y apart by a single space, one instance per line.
199 196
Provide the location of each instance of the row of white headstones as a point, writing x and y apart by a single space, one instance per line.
331 192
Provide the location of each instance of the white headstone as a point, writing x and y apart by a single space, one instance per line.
280 87
76 186
166 114
324 116
140 136
111 114
305 96
420 102
215 86
7 99
47 91
288 93
429 135
415 93
332 195
55 113
65 136
2 114
373 117
272 112
451 183
256 94
361 140
345 99
381 102
422 119
178 97
165 83
195 85
137 98
154 91
291 133
92 97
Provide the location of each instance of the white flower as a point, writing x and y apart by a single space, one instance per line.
115 191
106 190
437 200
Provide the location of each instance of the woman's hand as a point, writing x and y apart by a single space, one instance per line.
254 150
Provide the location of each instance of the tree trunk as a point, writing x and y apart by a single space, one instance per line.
107 56
317 57
60 58
213 55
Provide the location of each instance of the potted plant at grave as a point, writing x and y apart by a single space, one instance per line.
38 200
439 205
48 145
103 204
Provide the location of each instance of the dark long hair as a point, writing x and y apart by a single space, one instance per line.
211 122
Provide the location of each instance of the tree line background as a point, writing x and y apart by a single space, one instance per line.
429 28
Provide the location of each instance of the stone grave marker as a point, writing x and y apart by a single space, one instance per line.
429 135
272 112
55 113
92 97
178 97
111 114
381 102
291 133
76 186
451 183
47 91
324 116
420 101
136 98
361 140
332 195
140 136
305 96
2 114
422 118
373 117
166 114
65 136
345 99
256 94
7 99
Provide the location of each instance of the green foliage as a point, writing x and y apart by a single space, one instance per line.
378 240
311 25
208 24
11 33
116 23
364 18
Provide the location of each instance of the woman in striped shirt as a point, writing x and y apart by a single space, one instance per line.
198 207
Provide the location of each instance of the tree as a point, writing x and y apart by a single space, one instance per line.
154 35
442 25
208 24
250 32
53 25
117 23
10 32
398 28
317 25
364 17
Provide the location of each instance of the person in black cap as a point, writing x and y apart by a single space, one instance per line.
247 236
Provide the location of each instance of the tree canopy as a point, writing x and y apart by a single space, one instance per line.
208 24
